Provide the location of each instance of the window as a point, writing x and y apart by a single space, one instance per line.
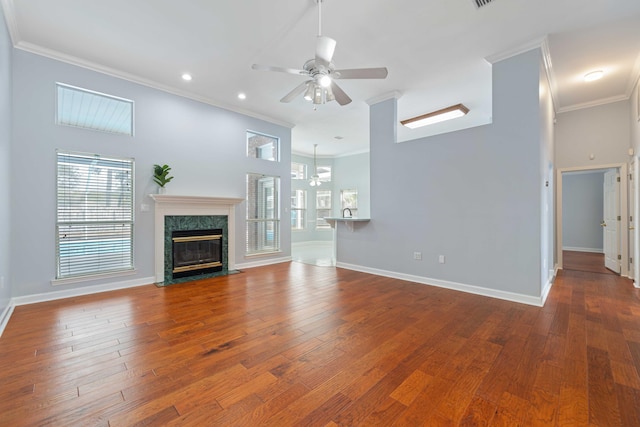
298 209
263 214
92 110
349 199
298 170
323 208
324 172
262 147
94 226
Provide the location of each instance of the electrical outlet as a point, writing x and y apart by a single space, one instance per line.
417 255
441 259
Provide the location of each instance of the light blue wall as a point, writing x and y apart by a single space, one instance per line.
5 164
205 145
310 234
352 172
473 195
582 211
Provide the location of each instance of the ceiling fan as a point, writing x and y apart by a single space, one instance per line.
321 87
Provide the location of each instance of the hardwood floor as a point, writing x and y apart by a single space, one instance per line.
584 261
296 344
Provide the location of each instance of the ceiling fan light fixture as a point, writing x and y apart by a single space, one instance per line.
318 97
308 95
325 81
329 94
448 113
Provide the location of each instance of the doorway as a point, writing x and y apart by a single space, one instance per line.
585 238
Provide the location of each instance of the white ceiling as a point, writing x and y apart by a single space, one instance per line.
437 52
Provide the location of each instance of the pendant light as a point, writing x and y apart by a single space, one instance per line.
314 181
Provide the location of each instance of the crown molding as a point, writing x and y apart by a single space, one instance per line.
10 19
93 66
517 50
596 103
389 95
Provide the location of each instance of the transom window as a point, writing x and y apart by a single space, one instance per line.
87 109
263 147
298 170
94 226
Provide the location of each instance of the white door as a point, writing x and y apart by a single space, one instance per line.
610 223
632 218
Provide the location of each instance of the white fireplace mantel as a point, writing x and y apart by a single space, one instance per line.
170 205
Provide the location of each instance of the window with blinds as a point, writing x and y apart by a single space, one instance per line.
93 110
323 209
94 226
298 209
263 214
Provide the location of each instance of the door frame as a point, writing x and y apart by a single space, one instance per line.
624 211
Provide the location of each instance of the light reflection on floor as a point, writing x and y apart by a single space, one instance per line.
314 253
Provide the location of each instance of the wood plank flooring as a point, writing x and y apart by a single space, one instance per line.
584 261
301 345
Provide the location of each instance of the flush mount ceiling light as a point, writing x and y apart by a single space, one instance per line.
448 113
314 181
593 76
187 77
241 95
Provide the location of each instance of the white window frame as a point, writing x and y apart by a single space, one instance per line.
256 151
94 225
296 168
353 206
321 223
300 211
264 215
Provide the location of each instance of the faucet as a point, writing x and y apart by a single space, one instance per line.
343 213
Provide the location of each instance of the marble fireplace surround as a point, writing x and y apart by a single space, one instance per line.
170 205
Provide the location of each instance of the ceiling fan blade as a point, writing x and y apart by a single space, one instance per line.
295 92
279 69
341 97
325 46
361 73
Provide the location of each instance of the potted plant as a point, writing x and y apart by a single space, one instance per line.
161 176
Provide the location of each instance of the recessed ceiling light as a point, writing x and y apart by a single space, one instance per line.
242 96
338 137
594 75
187 77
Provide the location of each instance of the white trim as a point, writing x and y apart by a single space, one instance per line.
471 289
6 315
69 59
385 96
551 75
517 50
596 103
168 205
624 211
634 78
88 278
590 250
86 290
263 262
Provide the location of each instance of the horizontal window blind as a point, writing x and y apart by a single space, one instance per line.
94 227
263 213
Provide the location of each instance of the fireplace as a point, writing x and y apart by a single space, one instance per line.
196 252
179 213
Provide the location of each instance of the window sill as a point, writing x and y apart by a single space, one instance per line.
88 278
262 254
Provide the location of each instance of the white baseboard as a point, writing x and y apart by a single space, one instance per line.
590 250
6 315
477 290
88 290
262 262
